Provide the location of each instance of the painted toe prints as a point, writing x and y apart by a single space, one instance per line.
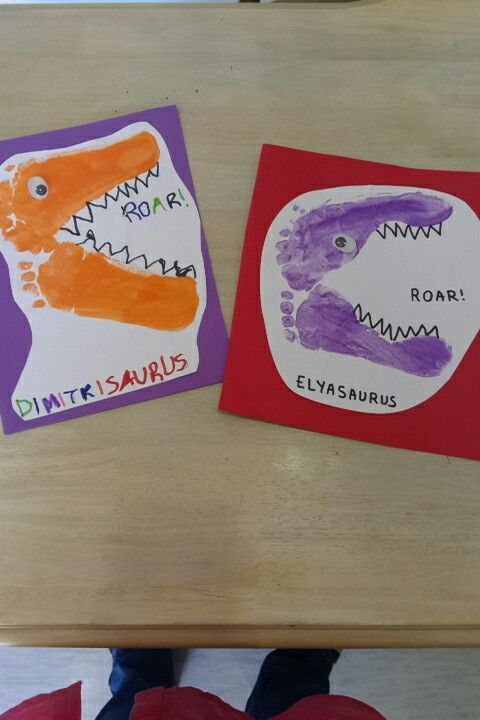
103 243
29 277
367 295
358 306
52 206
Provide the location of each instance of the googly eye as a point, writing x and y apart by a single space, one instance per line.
344 243
38 188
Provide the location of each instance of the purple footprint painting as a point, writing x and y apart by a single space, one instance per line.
367 291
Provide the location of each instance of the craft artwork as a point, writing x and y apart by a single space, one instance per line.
106 261
364 287
369 293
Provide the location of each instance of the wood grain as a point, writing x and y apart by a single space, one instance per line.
169 523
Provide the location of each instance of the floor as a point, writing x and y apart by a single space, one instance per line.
403 685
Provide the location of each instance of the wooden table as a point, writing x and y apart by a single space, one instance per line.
115 530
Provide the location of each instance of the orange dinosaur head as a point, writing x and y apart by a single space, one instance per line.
71 246
39 196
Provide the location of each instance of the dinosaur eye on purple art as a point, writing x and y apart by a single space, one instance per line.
38 188
344 243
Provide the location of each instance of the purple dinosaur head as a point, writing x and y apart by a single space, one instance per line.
332 235
371 297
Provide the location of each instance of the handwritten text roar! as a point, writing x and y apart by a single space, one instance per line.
143 210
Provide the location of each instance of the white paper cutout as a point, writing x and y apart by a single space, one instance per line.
331 254
70 351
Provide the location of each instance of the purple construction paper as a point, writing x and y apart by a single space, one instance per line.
15 335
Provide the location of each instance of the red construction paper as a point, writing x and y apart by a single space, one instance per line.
188 703
192 704
447 423
64 704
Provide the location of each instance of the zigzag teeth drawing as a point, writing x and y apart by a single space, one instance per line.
400 229
122 191
121 255
386 329
160 261
414 232
125 190
106 249
87 214
138 261
102 203
72 227
88 244
382 231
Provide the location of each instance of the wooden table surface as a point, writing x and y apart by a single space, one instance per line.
117 529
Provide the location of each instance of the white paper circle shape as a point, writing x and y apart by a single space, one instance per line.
371 294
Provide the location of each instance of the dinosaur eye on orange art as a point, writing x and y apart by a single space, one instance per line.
38 188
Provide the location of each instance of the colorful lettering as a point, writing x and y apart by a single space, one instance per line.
111 381
50 402
24 411
155 203
85 392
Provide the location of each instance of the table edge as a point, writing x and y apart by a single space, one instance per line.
239 636
206 5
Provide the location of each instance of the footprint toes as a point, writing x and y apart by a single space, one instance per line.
286 307
283 258
30 287
28 277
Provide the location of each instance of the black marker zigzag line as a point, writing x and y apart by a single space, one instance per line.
409 230
179 271
125 189
386 330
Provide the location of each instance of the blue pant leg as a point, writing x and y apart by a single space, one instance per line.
288 676
132 672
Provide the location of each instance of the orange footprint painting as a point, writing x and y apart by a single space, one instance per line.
103 244
37 201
